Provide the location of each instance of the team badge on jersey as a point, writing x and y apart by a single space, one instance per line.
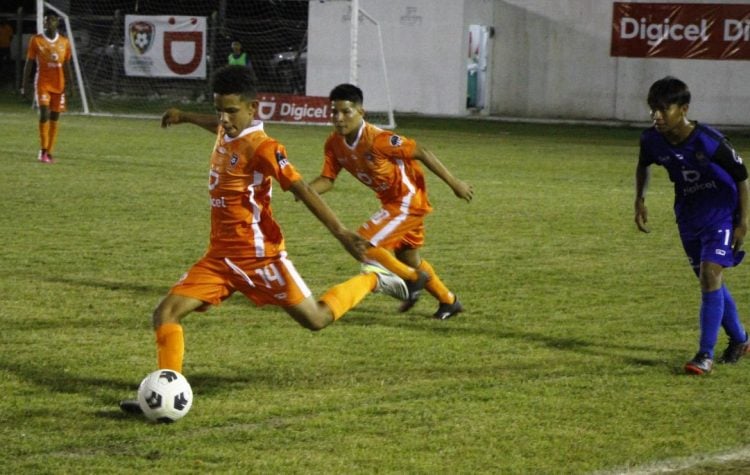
281 159
396 141
235 158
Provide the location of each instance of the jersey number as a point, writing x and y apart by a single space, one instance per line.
270 274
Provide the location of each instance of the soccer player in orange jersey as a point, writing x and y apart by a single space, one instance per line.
246 251
51 52
389 164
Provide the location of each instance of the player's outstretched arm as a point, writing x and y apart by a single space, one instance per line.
460 188
642 176
70 85
321 184
26 79
352 242
174 116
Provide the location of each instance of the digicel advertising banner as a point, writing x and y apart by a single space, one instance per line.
681 30
165 46
290 108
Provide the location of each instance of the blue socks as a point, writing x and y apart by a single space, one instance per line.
731 320
712 313
719 310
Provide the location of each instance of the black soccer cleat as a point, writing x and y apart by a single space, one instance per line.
700 364
447 310
415 290
735 350
130 406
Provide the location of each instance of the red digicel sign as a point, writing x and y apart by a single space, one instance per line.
289 108
681 30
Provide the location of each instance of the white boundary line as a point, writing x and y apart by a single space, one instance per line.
680 464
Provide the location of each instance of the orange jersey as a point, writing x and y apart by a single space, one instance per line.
384 162
50 55
242 223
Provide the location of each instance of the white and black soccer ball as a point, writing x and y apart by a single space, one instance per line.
165 396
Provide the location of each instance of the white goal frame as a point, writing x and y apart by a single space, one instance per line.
353 57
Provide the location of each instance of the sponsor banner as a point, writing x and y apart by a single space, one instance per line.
290 108
165 46
681 30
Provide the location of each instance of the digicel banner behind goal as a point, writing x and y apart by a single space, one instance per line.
165 46
290 108
681 30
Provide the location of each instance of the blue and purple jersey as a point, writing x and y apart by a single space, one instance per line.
705 170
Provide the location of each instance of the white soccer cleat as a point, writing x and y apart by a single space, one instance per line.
388 282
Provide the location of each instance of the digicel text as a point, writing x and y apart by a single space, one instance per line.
734 30
300 112
657 32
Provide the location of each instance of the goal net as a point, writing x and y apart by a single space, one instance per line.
137 57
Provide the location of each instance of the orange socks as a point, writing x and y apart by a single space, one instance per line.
343 297
391 262
435 286
51 136
43 135
170 346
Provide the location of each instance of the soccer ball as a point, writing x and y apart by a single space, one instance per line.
165 396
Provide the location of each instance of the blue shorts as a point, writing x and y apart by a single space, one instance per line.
712 244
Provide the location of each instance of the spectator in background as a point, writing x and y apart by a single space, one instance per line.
6 36
239 57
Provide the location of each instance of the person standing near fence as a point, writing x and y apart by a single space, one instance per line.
6 38
239 57
52 53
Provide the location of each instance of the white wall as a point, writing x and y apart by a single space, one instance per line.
550 59
424 48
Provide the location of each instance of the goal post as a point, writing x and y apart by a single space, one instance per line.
110 37
389 120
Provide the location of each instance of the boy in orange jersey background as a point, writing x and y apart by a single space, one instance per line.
389 164
246 251
51 52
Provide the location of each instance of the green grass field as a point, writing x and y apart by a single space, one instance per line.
567 359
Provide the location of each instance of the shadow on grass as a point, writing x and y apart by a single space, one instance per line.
107 285
457 326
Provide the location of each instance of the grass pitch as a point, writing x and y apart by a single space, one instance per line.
567 359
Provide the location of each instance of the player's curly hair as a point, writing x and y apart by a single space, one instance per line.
347 92
234 79
666 91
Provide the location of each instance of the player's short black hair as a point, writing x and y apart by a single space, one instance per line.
234 79
667 91
347 92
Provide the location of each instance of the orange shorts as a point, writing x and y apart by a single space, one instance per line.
392 228
55 101
272 281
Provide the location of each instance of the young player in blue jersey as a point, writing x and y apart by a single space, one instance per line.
711 206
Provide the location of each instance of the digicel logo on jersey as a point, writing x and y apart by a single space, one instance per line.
679 30
289 108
